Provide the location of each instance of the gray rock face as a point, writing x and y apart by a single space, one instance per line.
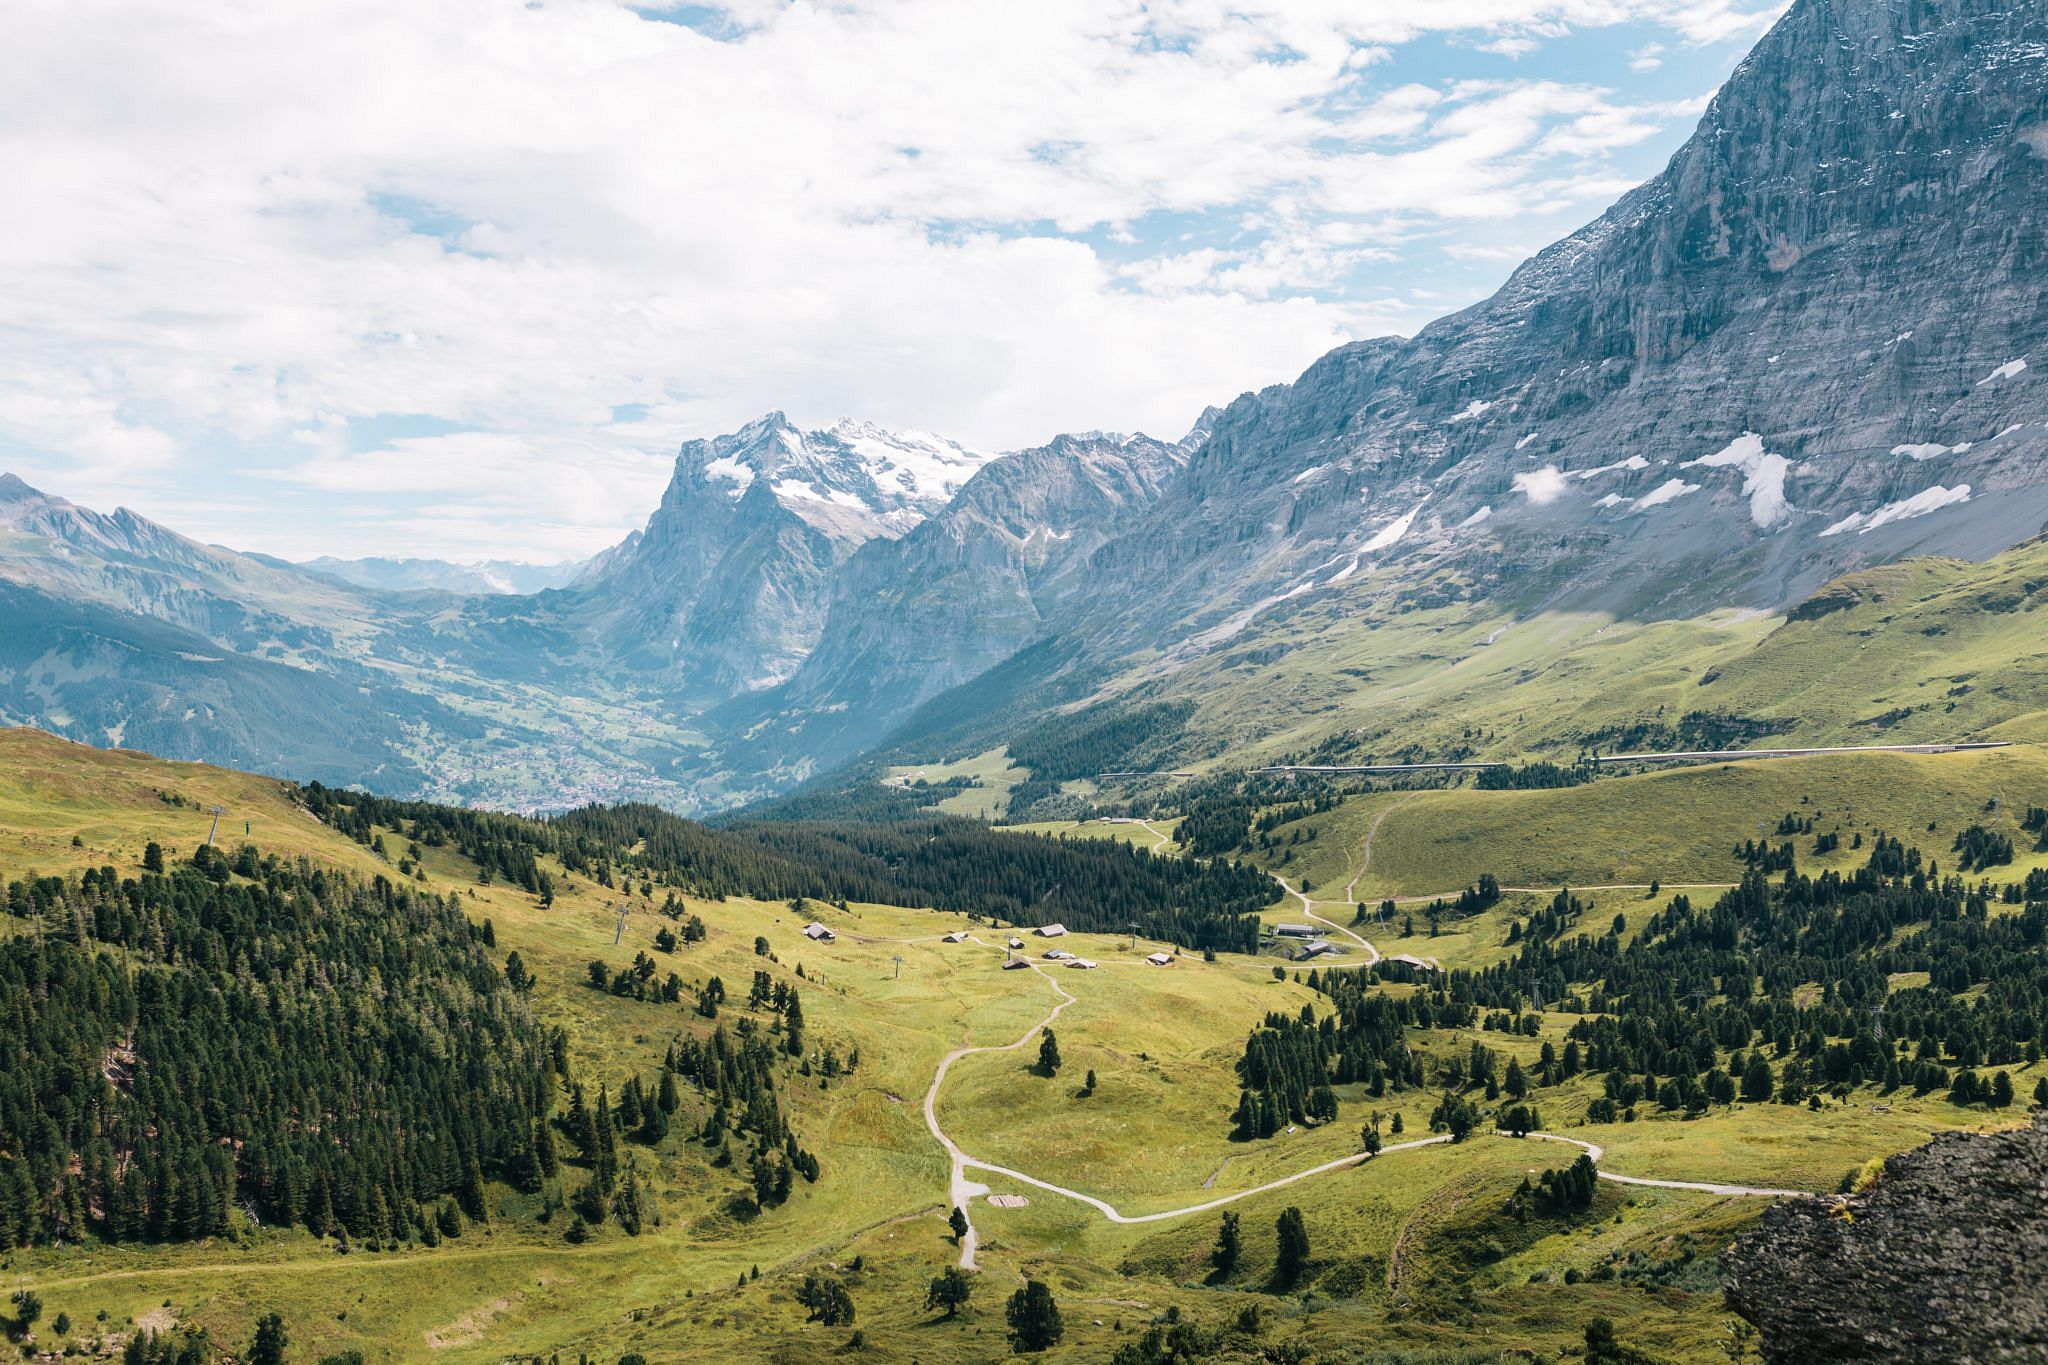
1803 348
726 590
965 590
1939 1260
1817 341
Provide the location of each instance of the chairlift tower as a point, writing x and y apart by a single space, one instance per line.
218 811
897 958
624 909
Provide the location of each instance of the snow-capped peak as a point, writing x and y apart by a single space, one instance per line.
851 480
925 466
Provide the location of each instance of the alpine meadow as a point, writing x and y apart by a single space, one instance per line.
1525 843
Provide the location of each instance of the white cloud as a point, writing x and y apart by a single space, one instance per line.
1542 486
239 228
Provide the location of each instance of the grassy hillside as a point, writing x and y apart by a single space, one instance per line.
1924 650
1676 826
1411 1253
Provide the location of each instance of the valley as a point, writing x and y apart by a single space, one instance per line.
1125 1182
1527 842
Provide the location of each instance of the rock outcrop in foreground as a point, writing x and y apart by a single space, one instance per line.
1944 1258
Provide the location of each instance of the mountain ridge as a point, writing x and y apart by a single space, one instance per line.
1806 347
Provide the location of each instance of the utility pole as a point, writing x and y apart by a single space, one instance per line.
897 958
218 811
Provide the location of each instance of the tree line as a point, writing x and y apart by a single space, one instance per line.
943 862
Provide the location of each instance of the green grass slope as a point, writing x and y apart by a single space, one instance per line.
1411 1253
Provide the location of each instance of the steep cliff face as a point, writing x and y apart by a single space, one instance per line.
960 593
727 588
1803 348
1939 1260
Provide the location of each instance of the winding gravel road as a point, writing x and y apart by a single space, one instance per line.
962 1190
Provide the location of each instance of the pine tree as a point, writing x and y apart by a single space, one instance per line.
1229 1246
1048 1054
1291 1255
1034 1318
950 1289
267 1347
957 1220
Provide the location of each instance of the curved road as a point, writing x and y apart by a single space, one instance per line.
963 1190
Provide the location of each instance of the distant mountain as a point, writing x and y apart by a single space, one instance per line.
1815 342
508 577
958 595
726 589
117 631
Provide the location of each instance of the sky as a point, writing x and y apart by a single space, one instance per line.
453 278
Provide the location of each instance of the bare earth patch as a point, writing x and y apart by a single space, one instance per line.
468 1329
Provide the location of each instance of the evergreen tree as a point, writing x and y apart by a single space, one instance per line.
1048 1054
1034 1318
267 1347
1291 1254
827 1300
1229 1247
950 1290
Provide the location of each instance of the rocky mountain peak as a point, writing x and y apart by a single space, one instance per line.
13 489
1811 343
853 480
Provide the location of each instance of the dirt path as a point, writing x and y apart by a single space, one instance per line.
963 1190
959 1188
1365 850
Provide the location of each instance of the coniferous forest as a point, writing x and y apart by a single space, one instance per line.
935 861
325 1052
1779 991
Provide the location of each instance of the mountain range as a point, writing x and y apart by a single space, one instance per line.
511 577
1814 344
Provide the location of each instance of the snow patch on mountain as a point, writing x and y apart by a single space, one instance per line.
1763 480
1930 450
927 467
1391 533
1633 462
1919 505
728 469
2011 369
1669 491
